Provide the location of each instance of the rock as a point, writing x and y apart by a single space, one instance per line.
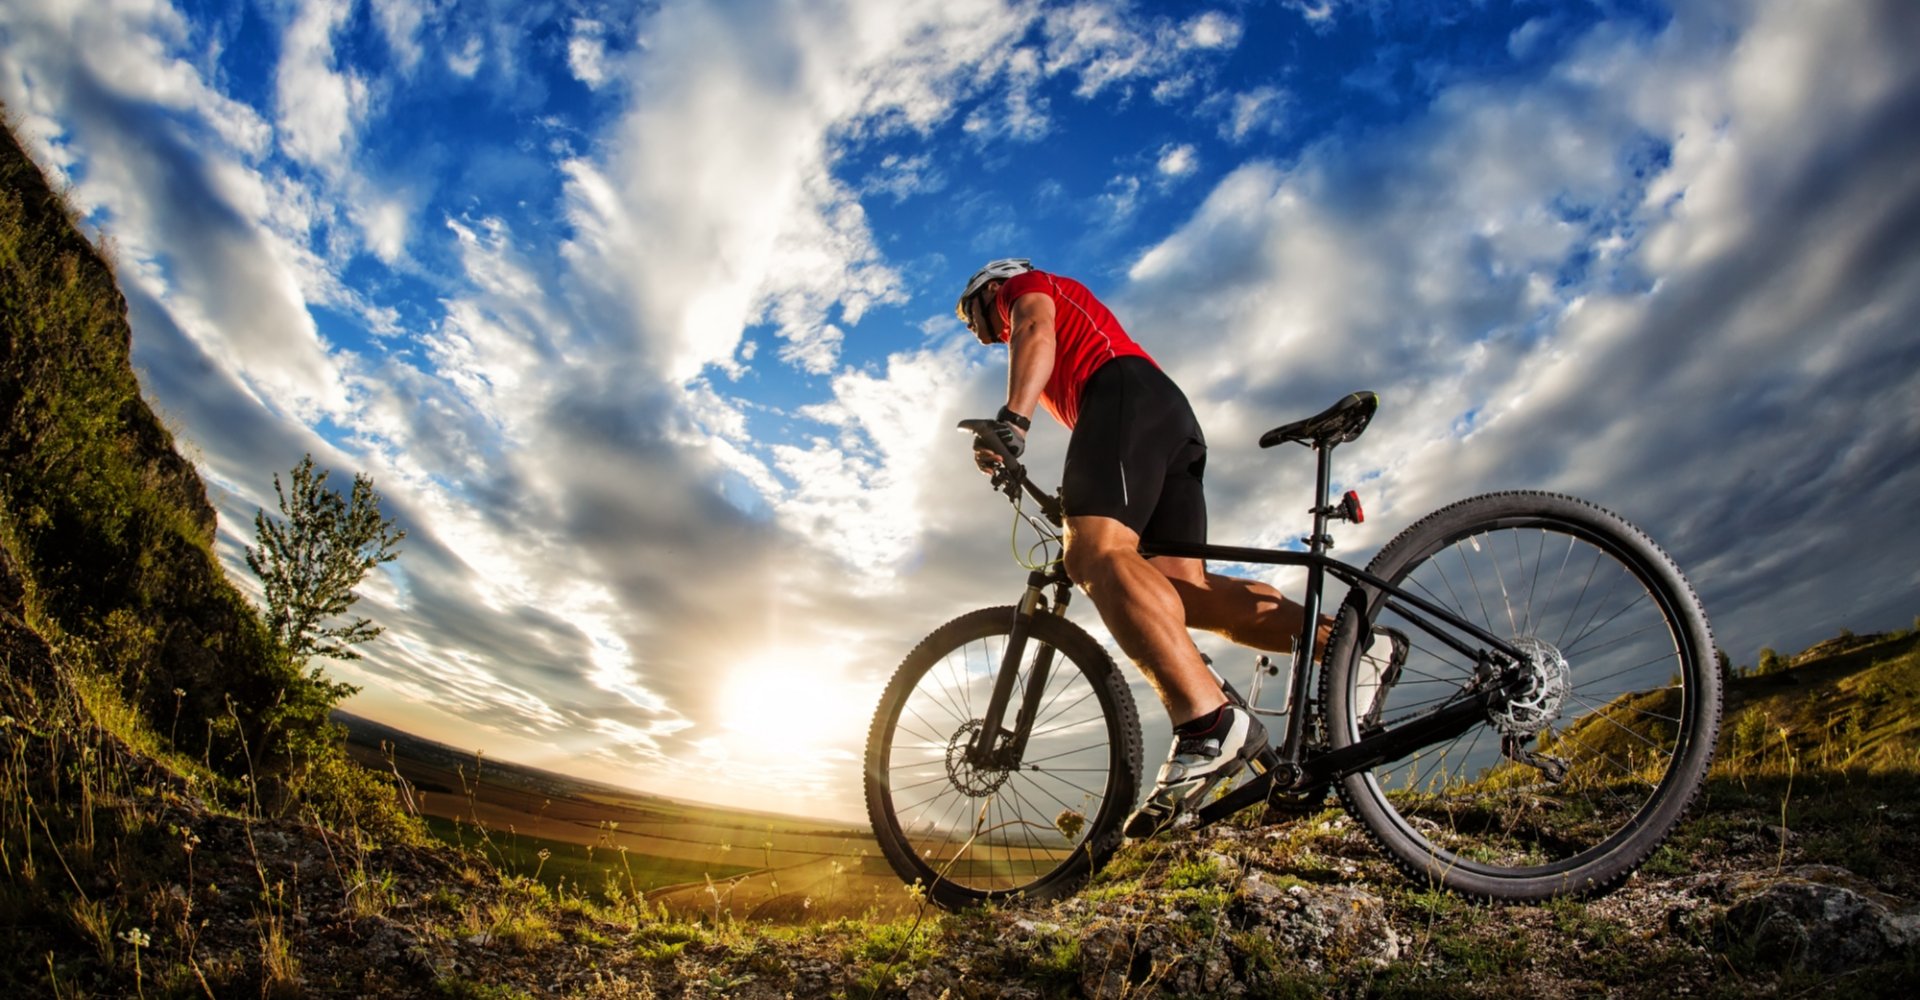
1323 926
1817 918
1116 959
1106 957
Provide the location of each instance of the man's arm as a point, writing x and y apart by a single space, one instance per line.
1030 347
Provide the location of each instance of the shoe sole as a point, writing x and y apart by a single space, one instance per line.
1165 809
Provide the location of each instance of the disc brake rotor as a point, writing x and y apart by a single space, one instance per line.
1537 701
976 782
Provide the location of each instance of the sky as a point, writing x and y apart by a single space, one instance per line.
640 315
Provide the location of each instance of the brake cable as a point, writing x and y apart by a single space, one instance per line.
1047 537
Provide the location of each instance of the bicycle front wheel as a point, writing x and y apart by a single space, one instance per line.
1571 782
1035 828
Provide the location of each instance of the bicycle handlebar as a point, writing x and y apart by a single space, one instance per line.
1012 477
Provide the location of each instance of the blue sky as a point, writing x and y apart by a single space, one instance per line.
640 315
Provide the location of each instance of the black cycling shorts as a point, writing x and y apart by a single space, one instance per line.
1137 454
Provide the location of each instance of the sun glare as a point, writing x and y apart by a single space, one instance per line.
788 702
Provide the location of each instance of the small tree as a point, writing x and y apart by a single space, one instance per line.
310 560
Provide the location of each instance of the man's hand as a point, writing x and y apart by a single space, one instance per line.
1012 438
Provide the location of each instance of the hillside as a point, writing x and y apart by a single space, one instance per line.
148 850
1796 877
109 529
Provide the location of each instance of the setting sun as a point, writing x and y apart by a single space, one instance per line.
786 702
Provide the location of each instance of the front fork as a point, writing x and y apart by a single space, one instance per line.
996 746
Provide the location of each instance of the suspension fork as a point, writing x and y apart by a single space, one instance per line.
988 748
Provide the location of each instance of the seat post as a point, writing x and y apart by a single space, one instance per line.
1319 542
1306 651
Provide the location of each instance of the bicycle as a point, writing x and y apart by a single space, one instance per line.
1549 628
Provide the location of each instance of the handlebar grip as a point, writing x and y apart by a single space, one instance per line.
984 437
1012 476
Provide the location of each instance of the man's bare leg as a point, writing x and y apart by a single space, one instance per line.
1245 612
1144 612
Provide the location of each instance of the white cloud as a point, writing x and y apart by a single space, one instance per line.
133 54
906 176
400 22
859 493
1258 110
1121 198
1314 11
587 53
319 109
763 230
465 62
1212 30
1104 45
1525 40
385 223
1177 161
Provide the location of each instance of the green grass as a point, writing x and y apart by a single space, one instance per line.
576 867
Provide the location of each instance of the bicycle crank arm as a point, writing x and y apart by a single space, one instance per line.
1226 805
1428 730
1442 725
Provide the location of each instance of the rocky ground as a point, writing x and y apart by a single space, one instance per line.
1300 908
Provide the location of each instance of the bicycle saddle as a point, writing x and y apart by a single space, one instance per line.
1337 424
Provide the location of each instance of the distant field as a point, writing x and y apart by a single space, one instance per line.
578 866
694 859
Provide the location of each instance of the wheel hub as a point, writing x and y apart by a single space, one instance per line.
1535 702
974 781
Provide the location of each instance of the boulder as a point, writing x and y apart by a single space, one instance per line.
1815 918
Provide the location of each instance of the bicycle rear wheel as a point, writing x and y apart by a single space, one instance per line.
1568 787
971 834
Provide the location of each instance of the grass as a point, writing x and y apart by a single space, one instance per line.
559 864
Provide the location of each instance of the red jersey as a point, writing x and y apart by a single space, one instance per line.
1085 334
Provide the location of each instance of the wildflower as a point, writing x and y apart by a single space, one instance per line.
544 854
136 937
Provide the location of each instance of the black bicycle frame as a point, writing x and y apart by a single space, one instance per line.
1302 771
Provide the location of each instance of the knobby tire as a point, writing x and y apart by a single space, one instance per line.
969 836
1635 727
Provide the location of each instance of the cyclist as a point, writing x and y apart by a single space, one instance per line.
1133 472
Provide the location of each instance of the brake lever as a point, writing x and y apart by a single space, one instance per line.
984 439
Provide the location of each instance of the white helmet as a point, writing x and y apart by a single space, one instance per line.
1005 267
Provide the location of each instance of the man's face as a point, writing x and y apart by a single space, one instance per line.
982 318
